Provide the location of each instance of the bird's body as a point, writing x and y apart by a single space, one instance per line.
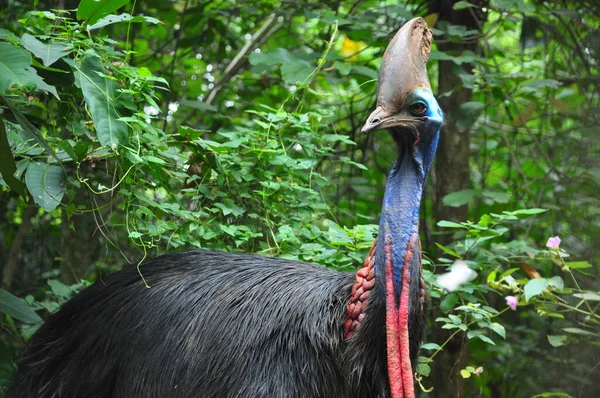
242 326
277 326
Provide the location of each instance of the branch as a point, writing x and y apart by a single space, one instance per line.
270 26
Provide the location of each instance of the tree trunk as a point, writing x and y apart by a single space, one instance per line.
451 174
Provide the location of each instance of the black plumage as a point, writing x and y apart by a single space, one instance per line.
212 324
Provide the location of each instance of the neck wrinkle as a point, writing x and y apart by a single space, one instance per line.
400 213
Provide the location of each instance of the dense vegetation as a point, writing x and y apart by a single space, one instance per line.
128 129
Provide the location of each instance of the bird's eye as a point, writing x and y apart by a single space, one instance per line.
417 109
375 121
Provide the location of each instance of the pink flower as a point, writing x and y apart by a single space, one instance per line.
512 302
553 242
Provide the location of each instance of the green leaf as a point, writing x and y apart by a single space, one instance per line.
580 332
93 10
101 96
498 328
535 287
60 289
203 106
343 67
296 72
48 53
589 296
458 199
468 114
529 212
45 87
112 19
557 340
15 68
17 308
46 183
276 57
496 196
7 163
461 5
449 251
542 83
465 373
31 131
484 338
449 224
556 282
365 71
448 303
431 346
423 369
578 264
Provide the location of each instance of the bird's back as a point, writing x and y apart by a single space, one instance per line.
212 324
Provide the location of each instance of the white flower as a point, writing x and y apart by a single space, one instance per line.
459 274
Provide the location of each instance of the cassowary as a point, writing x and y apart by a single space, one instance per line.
227 325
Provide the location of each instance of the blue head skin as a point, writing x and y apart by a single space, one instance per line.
415 127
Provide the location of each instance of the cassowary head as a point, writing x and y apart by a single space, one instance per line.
405 103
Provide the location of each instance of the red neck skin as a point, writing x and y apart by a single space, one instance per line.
398 346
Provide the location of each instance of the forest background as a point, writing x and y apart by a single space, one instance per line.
129 129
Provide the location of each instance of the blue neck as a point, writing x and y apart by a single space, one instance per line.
400 214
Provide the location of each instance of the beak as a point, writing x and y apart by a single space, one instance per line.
403 70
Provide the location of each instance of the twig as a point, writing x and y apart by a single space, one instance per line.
269 27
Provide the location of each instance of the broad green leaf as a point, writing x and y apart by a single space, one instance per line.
7 163
48 53
496 196
31 131
343 67
17 308
535 287
465 373
578 264
448 303
112 19
93 10
468 114
498 328
556 282
101 96
60 289
198 105
458 199
45 87
557 340
365 71
276 57
46 183
296 72
15 68
431 346
423 369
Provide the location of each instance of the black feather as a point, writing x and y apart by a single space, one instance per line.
213 324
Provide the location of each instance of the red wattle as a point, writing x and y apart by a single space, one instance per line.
398 344
407 374
392 332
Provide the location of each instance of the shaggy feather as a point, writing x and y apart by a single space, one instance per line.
213 325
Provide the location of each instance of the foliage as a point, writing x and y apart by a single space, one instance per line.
132 128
